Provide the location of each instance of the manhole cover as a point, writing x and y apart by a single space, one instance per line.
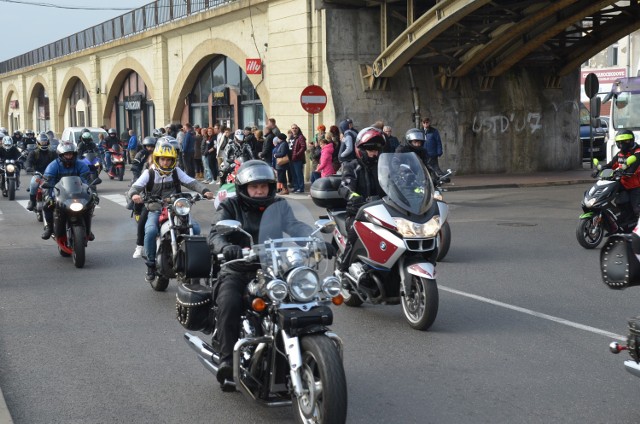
517 224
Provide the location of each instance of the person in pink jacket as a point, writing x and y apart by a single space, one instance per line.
325 168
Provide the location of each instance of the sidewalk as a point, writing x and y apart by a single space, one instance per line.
537 179
5 417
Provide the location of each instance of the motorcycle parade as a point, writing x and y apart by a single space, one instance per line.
321 212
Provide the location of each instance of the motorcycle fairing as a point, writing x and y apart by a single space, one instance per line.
382 246
379 214
587 215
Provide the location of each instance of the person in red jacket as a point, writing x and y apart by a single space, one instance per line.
626 142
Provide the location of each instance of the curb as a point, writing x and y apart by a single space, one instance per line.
517 185
5 416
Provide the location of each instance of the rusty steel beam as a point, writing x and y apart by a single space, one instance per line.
505 34
537 41
421 32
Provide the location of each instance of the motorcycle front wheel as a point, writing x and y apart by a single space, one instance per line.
420 303
77 244
445 241
12 189
323 382
590 232
120 173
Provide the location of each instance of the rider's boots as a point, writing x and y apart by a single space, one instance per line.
32 203
48 230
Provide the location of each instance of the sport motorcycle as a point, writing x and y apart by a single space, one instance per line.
606 208
117 162
393 259
73 201
94 162
286 354
9 170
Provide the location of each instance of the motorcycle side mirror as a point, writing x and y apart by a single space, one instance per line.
631 160
228 226
325 226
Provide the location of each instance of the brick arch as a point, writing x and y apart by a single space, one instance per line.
194 64
120 72
31 93
67 85
11 88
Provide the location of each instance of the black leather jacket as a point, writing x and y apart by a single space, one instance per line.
233 208
39 159
361 179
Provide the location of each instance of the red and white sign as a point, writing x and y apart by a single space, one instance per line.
313 99
253 66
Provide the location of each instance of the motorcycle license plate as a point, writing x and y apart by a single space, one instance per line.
595 149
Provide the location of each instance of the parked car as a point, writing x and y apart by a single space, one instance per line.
599 137
73 134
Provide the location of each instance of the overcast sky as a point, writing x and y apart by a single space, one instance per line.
28 24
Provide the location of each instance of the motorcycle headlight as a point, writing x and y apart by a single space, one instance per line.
182 207
411 229
589 203
277 290
303 283
11 168
331 286
76 206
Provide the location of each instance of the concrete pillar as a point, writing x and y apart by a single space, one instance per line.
26 116
95 91
54 102
161 95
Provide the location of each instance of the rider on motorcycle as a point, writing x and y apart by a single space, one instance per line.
141 159
360 181
37 161
67 164
29 138
111 140
625 141
10 151
414 142
167 179
86 144
17 137
255 191
236 150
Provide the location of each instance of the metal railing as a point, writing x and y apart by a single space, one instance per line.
149 16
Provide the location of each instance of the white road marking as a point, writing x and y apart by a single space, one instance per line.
116 198
536 314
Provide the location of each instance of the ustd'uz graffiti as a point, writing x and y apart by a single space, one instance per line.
502 123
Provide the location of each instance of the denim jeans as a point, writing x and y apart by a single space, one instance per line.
298 176
207 169
33 188
151 232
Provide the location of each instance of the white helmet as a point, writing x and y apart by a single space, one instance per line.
4 130
7 142
239 135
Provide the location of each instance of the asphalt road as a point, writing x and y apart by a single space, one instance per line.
97 345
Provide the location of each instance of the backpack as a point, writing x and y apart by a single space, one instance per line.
152 181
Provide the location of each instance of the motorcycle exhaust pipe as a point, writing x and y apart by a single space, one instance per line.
207 357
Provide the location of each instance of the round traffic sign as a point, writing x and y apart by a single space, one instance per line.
313 99
591 85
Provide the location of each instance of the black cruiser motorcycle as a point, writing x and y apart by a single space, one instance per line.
286 354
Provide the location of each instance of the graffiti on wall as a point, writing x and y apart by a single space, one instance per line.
499 124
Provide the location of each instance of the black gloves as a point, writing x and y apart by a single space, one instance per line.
331 251
231 252
354 204
594 173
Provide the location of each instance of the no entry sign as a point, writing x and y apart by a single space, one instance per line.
313 99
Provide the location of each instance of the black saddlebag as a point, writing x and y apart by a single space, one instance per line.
194 307
633 339
194 257
618 262
324 192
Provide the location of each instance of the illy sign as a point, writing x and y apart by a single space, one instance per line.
253 66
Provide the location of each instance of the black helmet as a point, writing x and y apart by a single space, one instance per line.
43 141
86 137
149 141
17 135
414 139
30 134
370 138
85 130
67 147
112 132
251 172
625 140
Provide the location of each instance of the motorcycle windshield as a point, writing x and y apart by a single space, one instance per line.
286 242
71 185
405 180
90 156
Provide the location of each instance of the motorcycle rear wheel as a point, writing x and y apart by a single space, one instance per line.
323 381
588 233
445 241
420 304
159 283
12 189
77 243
